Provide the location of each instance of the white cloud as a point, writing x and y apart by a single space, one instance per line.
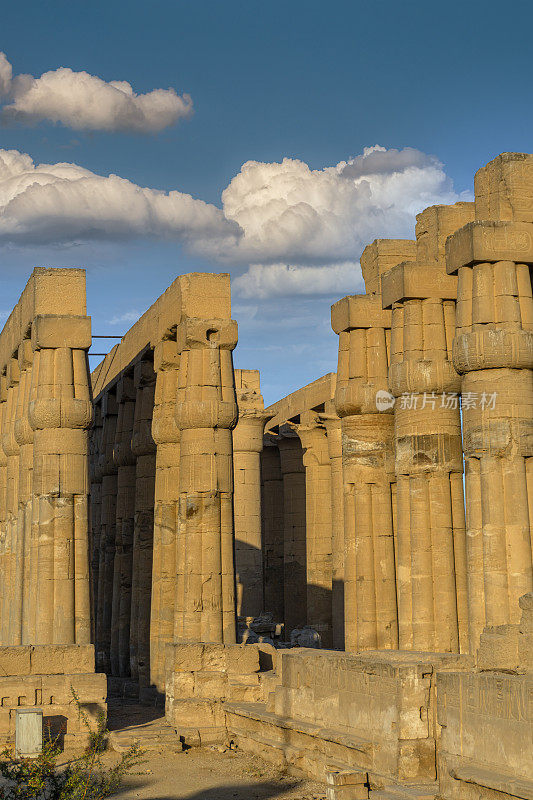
50 203
263 281
6 73
127 316
85 102
291 213
279 217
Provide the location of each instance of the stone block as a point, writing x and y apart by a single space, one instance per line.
214 657
62 659
181 685
504 188
210 684
498 648
359 311
241 658
408 281
184 656
480 242
52 332
380 256
15 660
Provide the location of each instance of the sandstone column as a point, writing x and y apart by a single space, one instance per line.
247 447
334 439
431 548
60 415
125 462
318 516
27 573
272 525
294 524
95 507
144 448
3 515
371 620
12 451
166 435
107 533
493 351
206 413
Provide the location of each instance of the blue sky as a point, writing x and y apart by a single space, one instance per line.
311 82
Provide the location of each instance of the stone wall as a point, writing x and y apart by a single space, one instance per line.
58 679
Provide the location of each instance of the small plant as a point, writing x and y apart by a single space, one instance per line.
83 778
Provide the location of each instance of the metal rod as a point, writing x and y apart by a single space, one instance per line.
101 336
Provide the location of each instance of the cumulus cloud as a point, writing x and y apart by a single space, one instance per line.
86 102
6 75
290 213
52 203
127 316
262 281
301 229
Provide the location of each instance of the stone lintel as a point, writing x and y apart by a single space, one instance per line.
53 331
359 311
489 241
410 281
377 258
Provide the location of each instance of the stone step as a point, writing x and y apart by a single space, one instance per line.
419 791
150 736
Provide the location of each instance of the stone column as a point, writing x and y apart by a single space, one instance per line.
27 572
247 447
60 415
334 439
362 403
144 448
206 413
107 533
272 515
12 451
318 516
294 530
493 351
125 462
166 435
431 548
95 507
3 515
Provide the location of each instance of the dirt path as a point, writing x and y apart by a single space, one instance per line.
204 774
201 773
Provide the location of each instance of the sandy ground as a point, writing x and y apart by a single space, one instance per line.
205 774
211 773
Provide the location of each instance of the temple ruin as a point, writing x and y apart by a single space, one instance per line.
342 582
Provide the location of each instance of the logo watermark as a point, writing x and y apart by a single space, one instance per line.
409 401
384 400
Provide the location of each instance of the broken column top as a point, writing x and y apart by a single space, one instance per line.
248 390
359 311
426 276
378 257
504 188
434 225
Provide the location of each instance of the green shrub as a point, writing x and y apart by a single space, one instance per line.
83 778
